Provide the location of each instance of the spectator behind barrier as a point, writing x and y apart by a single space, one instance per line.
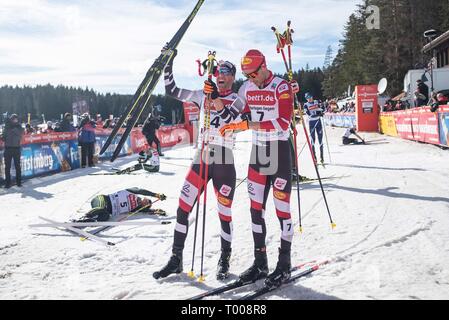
86 139
437 101
50 127
421 94
12 136
107 124
29 129
66 124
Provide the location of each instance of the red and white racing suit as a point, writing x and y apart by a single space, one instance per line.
221 168
271 163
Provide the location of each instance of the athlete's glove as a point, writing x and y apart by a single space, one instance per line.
294 131
161 196
175 52
243 125
295 86
210 88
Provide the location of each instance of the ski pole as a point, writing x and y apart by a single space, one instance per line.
241 182
287 35
333 225
289 42
210 71
280 48
191 274
327 141
307 137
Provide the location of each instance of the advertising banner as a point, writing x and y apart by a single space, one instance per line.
173 135
191 112
425 128
46 156
444 128
388 125
101 138
191 116
418 124
344 120
404 127
138 141
367 109
80 107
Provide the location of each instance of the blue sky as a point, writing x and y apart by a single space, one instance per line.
109 45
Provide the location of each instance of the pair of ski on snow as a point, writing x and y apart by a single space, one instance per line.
75 227
297 273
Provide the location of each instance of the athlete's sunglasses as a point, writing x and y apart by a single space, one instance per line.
253 74
225 72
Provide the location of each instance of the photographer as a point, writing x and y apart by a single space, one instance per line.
66 124
149 131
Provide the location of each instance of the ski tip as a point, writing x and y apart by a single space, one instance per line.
202 279
191 275
111 243
166 222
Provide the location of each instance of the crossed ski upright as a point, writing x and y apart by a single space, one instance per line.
142 97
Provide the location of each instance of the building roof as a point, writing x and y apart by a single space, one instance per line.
435 43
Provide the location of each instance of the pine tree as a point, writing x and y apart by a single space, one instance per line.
328 58
365 56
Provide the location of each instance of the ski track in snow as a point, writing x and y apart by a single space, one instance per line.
389 202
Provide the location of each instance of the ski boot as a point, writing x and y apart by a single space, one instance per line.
259 269
300 178
295 177
157 212
304 179
83 220
223 264
174 265
282 273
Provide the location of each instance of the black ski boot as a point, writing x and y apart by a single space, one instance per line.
174 265
282 273
295 177
223 264
259 269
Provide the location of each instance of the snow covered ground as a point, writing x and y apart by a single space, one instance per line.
390 200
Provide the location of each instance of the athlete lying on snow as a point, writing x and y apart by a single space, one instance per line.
122 202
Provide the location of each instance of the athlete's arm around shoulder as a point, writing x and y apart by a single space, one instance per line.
238 105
